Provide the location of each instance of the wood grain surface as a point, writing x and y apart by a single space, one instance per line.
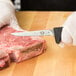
56 61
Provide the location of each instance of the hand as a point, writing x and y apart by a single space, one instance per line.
7 15
69 30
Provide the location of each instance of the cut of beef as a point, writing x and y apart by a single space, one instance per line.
4 59
28 52
20 48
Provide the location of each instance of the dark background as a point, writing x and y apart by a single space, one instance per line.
48 5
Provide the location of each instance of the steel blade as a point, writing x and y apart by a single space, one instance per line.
34 33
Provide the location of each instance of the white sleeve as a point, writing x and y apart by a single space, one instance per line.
7 1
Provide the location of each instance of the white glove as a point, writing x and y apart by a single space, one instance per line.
7 14
69 30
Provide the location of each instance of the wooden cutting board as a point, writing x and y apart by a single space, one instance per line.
56 61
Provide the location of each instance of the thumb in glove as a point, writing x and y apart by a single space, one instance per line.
7 15
69 30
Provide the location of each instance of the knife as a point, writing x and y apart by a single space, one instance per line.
56 32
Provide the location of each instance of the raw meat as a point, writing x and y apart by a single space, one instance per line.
20 48
4 59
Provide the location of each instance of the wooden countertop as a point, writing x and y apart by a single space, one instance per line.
55 61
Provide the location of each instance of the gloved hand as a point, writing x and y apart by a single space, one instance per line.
69 30
7 14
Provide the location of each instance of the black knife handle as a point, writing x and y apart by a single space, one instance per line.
57 34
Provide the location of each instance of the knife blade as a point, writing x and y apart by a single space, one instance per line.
56 32
34 33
